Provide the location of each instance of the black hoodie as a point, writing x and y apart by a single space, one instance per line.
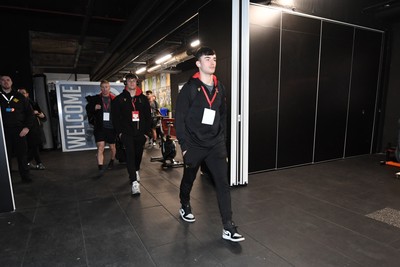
190 107
121 112
17 111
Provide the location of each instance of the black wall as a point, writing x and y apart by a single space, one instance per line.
6 194
333 92
391 99
264 39
298 89
313 89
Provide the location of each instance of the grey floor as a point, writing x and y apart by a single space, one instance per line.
339 213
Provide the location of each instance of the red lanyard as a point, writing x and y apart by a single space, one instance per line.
133 103
108 104
210 102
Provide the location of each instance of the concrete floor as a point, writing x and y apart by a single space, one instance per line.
338 213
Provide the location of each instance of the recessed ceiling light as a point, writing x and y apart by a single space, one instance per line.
163 59
141 70
195 43
154 68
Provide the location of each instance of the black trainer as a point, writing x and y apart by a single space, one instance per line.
186 213
230 233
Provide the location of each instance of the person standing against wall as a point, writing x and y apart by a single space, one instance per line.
132 121
201 128
17 115
36 135
98 110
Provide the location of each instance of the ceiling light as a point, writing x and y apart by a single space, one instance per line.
195 43
141 70
284 3
163 59
288 3
156 67
118 81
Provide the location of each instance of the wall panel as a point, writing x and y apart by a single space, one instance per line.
298 89
313 86
333 90
263 84
364 84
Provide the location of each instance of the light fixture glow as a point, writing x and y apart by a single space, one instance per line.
141 70
195 43
156 67
288 3
284 4
163 59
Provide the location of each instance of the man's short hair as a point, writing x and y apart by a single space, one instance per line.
131 76
204 51
104 81
149 92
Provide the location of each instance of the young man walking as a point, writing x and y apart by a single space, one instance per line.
17 115
201 127
132 120
99 108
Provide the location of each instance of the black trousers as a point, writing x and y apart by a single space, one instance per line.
17 146
215 158
134 152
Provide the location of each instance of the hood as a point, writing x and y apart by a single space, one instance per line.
196 76
138 91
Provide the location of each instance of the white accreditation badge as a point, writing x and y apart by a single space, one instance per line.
135 115
106 116
208 116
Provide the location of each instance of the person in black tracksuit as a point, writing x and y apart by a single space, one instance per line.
36 135
200 127
17 115
98 110
131 116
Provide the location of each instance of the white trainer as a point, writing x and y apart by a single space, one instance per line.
135 188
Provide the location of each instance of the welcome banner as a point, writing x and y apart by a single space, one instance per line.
76 132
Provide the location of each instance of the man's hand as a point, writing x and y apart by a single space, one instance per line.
24 132
97 107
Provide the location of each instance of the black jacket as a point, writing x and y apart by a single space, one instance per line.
122 107
95 117
36 134
16 113
189 111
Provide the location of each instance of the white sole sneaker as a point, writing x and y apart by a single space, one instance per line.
188 218
236 237
135 188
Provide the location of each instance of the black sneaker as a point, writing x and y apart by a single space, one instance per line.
230 233
186 213
40 166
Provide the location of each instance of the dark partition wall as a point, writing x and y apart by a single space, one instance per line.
264 76
364 84
6 193
298 89
313 86
333 91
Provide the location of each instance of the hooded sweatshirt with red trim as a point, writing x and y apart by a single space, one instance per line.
189 112
122 107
